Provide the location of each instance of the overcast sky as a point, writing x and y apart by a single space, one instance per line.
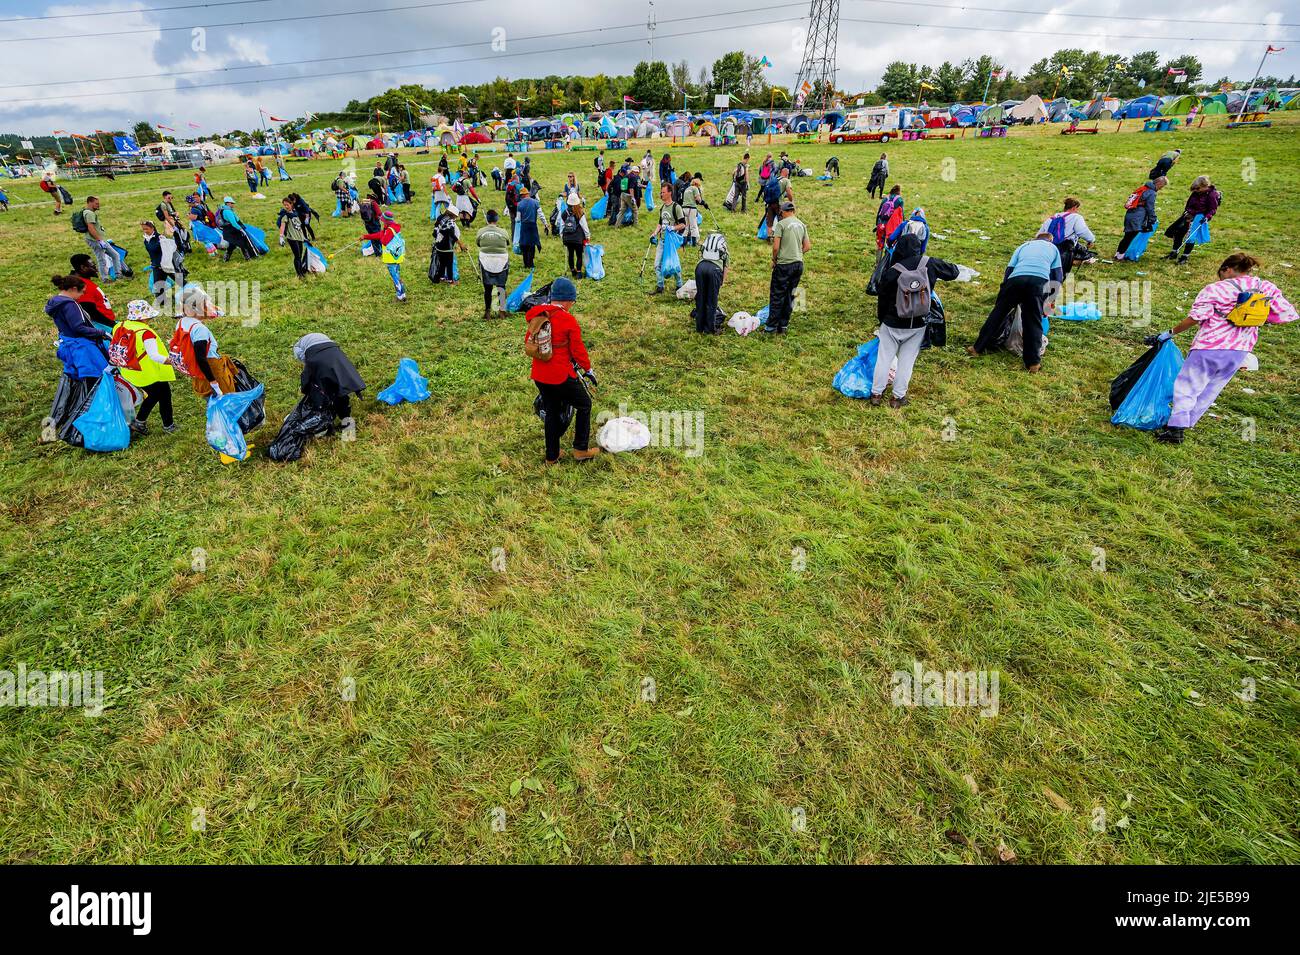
149 72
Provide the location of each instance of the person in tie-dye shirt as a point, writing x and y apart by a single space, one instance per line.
1220 347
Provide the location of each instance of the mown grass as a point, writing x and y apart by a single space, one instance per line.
372 560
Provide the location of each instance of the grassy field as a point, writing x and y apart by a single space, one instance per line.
769 587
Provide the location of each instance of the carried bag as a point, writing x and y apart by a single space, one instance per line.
1149 400
103 425
912 300
1252 309
593 262
537 340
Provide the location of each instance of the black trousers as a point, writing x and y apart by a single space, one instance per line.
528 251
299 256
1066 249
556 399
780 298
1124 242
742 195
160 394
1025 292
237 239
773 212
442 260
575 258
708 286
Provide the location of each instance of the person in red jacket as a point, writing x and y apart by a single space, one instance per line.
557 377
83 266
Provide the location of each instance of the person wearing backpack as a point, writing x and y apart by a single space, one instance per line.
193 349
691 201
739 186
1203 201
671 218
710 273
446 240
493 263
574 233
879 176
87 222
629 191
1139 213
776 191
290 226
1033 266
140 358
904 296
232 230
1228 314
1065 228
389 239
51 188
553 340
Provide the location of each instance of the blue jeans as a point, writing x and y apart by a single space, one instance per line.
395 271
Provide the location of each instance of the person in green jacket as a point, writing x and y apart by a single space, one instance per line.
493 263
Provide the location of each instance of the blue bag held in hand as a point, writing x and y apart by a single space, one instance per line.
409 386
855 378
515 300
649 200
103 426
1198 233
1148 403
593 262
761 314
762 228
1079 312
515 247
223 431
670 263
257 237
598 210
1139 244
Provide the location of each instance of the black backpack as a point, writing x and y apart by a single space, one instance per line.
571 228
679 188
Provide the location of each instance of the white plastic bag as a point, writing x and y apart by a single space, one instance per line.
743 323
623 434
965 273
687 291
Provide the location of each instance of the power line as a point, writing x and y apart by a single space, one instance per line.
407 66
240 23
1079 16
1094 34
114 13
365 56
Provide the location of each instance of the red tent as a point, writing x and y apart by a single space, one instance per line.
375 143
937 122
474 137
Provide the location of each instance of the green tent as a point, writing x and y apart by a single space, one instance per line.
992 115
1292 103
1180 106
1215 107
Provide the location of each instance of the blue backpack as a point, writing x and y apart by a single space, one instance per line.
772 190
1056 228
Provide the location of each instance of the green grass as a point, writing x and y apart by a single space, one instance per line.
372 560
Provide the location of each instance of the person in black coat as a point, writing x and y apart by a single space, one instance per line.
328 377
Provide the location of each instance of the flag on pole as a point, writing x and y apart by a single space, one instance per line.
777 91
193 125
1274 49
1173 72
161 126
999 74
276 119
628 99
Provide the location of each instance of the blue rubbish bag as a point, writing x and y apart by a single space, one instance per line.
515 300
1139 244
433 207
762 228
672 176
854 380
103 425
1079 312
338 208
628 216
670 263
649 200
455 269
409 386
257 237
518 225
761 314
316 261
398 193
1149 401
699 217
1198 233
597 211
112 269
223 431
206 234
593 262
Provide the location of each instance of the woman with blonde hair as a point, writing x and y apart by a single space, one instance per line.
1203 201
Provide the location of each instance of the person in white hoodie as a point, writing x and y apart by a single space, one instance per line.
1065 228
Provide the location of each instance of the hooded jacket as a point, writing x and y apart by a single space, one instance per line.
907 253
70 320
327 373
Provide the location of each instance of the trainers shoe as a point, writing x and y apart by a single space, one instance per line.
171 428
876 400
139 427
1168 435
897 402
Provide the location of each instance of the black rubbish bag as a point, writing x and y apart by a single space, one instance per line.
936 326
565 417
1126 379
303 423
72 398
878 273
256 413
541 297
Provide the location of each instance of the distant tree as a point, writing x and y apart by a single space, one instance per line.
949 79
145 134
652 87
899 83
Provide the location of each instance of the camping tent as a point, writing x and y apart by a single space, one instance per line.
475 137
679 128
1031 110
992 116
706 128
1179 105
